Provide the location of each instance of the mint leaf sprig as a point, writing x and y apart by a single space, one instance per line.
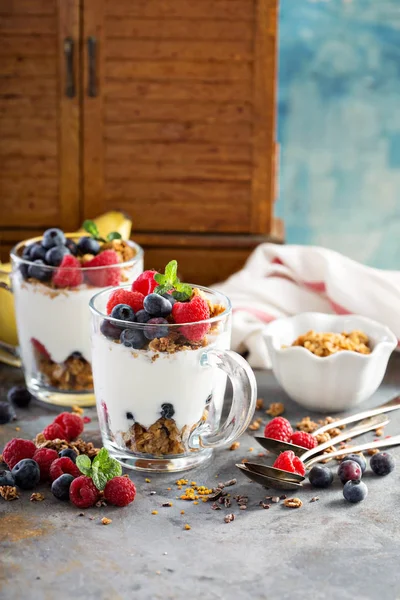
170 281
102 469
91 228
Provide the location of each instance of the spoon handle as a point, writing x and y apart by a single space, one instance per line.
359 429
393 404
392 441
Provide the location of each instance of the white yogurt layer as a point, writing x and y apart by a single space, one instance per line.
128 380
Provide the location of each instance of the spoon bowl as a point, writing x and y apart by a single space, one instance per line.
255 474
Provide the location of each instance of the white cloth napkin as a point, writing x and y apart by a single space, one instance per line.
279 281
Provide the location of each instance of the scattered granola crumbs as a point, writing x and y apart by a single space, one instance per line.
307 425
227 502
234 446
259 404
275 409
293 503
147 480
323 437
81 514
379 432
152 493
187 527
91 518
334 432
229 483
1 458
265 505
166 504
275 499
283 497
169 489
244 460
372 451
36 497
242 507
106 521
254 426
19 429
229 518
8 492
251 449
214 506
77 409
154 512
314 499
182 512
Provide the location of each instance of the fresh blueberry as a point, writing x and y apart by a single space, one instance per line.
76 354
157 306
7 413
382 463
19 396
355 491
358 458
123 312
6 478
110 330
129 416
24 270
142 316
27 251
26 474
72 247
69 453
320 476
349 471
170 298
55 255
88 245
132 338
38 270
37 252
156 328
167 411
60 486
53 237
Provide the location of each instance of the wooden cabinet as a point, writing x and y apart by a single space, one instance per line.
171 119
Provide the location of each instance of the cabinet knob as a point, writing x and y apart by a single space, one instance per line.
92 59
69 67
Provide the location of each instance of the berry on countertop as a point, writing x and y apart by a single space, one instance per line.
110 330
19 396
6 478
145 283
132 299
167 410
349 470
303 439
190 312
156 328
120 491
320 476
382 463
26 474
288 461
38 270
142 316
69 273
88 245
72 424
7 413
17 449
54 431
123 312
355 491
72 247
60 486
83 493
44 458
132 338
279 429
36 252
61 466
55 255
53 237
157 306
103 277
69 453
358 458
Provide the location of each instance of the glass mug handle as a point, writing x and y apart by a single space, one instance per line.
243 402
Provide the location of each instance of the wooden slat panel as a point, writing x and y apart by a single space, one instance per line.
37 201
28 87
175 29
28 129
18 66
178 152
27 7
184 9
187 70
126 111
170 91
179 50
28 108
167 171
11 166
30 24
27 147
25 45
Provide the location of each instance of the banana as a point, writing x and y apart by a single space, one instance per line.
112 221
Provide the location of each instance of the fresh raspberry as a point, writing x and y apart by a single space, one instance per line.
278 429
44 458
69 273
191 312
17 449
83 493
145 283
120 491
104 277
63 465
40 348
54 431
72 424
303 439
288 461
132 299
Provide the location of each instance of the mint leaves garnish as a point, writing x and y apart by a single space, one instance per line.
102 469
169 281
91 228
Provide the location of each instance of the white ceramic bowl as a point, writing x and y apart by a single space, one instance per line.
333 383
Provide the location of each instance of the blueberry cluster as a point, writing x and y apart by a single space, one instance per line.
152 316
50 252
350 472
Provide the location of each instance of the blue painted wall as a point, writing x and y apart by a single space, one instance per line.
339 126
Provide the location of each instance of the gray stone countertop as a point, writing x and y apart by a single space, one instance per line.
326 549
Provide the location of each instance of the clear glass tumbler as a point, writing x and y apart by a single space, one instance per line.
160 406
53 322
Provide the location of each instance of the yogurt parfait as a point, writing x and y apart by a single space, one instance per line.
160 359
53 279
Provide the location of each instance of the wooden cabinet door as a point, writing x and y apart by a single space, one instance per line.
179 115
39 117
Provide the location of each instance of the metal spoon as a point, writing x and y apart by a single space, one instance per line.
268 476
276 446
